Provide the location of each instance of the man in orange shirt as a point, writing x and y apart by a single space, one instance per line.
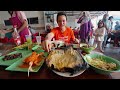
62 33
66 36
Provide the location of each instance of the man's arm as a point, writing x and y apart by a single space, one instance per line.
49 36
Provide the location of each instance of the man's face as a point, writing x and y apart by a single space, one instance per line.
61 21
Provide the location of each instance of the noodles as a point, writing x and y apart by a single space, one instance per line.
102 64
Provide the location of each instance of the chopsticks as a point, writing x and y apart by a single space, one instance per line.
30 68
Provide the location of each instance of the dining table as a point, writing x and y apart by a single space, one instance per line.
45 72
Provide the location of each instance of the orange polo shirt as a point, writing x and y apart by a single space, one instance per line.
67 35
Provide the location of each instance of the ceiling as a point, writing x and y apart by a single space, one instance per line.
77 13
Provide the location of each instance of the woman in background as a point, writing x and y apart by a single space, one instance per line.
19 18
85 26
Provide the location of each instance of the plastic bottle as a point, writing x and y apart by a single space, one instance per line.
2 34
16 37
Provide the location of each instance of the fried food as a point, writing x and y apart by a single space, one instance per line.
35 58
64 59
12 56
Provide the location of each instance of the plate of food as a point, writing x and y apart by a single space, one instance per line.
86 48
102 64
75 46
12 57
26 46
66 63
23 46
37 48
31 63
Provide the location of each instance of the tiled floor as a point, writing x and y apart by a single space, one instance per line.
113 52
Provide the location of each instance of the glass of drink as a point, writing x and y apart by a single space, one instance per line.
38 39
28 38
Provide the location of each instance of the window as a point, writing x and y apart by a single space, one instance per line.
28 20
7 22
33 20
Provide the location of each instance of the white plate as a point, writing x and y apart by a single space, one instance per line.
67 74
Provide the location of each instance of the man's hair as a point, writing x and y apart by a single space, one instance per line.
110 17
60 14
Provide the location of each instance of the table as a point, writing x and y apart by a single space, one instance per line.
46 73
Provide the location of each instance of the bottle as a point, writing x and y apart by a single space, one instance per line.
2 34
16 37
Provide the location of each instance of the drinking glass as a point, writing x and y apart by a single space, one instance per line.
28 38
38 39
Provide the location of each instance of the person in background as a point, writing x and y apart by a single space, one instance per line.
75 28
76 32
99 34
31 30
85 26
110 19
2 33
48 28
108 26
78 28
90 33
5 35
61 33
111 23
19 18
116 34
117 26
91 37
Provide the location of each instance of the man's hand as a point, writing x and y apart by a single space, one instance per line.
76 40
15 34
47 45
